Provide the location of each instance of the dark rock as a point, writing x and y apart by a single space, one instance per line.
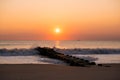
71 60
100 65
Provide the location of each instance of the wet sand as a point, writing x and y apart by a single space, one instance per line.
58 72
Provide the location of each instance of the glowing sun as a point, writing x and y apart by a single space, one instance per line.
57 30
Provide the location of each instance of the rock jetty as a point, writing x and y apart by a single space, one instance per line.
70 60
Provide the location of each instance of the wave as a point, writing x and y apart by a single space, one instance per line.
88 51
51 61
31 55
17 52
32 51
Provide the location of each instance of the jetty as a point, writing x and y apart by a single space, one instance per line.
70 60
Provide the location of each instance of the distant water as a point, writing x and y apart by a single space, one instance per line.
22 52
60 44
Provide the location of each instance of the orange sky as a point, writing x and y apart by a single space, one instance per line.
77 19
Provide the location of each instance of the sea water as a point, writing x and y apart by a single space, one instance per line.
22 52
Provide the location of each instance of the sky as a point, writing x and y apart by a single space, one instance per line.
76 19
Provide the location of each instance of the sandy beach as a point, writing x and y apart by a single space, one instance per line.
58 72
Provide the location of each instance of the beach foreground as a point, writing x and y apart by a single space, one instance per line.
58 72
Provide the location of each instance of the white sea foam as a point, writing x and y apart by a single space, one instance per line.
96 55
28 52
17 52
88 51
101 58
98 51
24 56
30 56
28 60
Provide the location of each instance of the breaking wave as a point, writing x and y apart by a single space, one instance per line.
88 51
28 52
9 56
17 52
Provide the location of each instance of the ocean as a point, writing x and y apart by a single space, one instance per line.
22 52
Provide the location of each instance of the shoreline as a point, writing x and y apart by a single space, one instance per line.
58 72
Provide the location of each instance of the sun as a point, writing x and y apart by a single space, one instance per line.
57 30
